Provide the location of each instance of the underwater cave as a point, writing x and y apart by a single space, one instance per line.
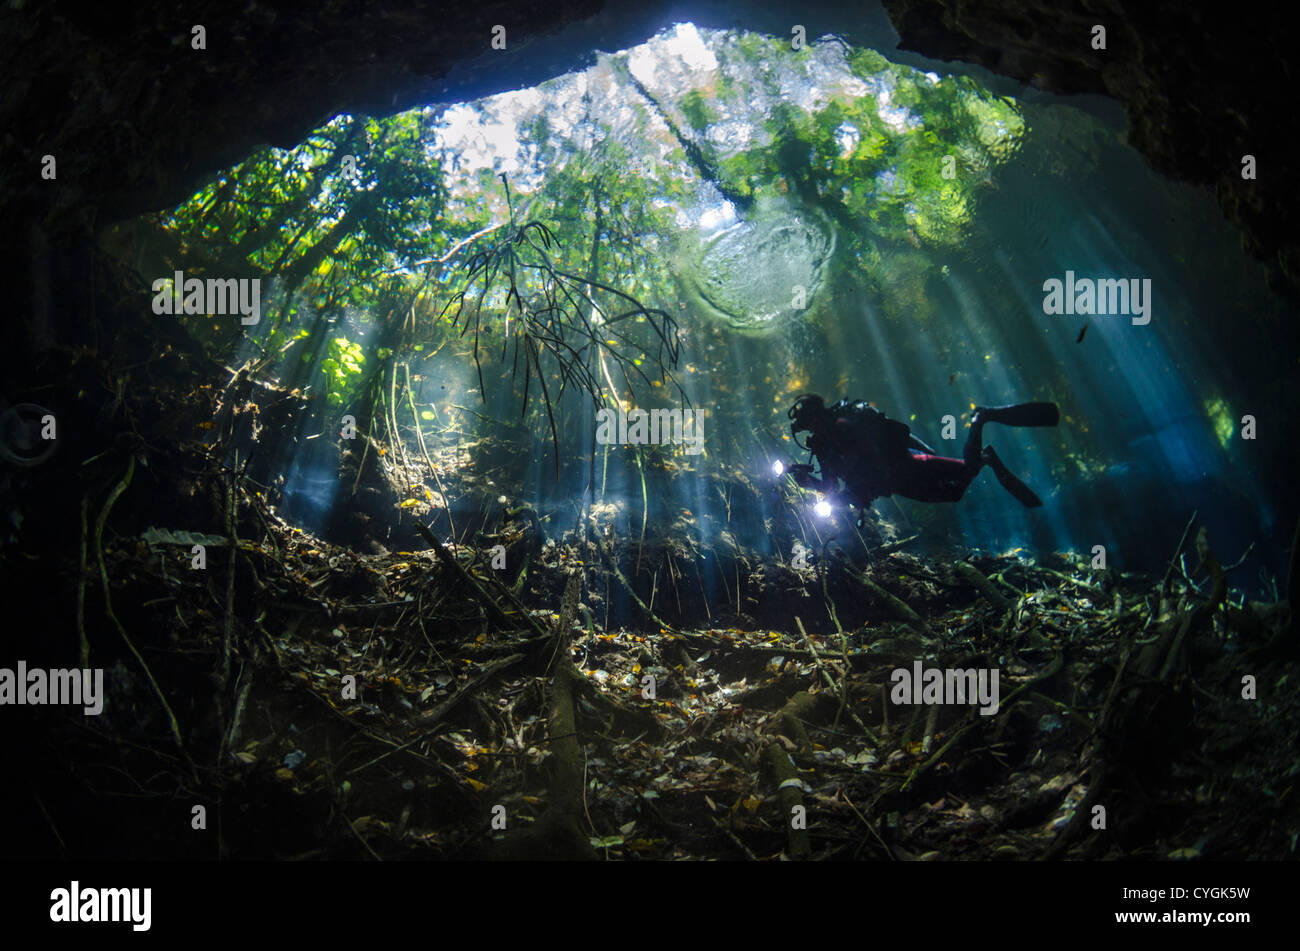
635 427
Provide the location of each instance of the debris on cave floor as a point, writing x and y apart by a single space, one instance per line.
411 704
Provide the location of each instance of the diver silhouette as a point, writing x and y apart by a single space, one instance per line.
873 455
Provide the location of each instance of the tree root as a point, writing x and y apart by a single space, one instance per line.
558 834
108 602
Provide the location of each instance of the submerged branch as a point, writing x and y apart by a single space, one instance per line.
547 315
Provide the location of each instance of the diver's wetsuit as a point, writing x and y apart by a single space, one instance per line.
874 455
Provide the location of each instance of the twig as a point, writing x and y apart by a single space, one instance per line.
841 688
1239 561
823 570
613 566
734 839
645 509
227 623
1164 584
108 603
419 436
364 453
236 718
63 849
1053 667
1095 594
392 413
451 252
361 840
449 560
81 588
1182 566
895 546
870 828
1202 612
431 718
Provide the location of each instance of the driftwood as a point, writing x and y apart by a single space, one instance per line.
558 833
449 561
974 576
895 604
790 797
1137 690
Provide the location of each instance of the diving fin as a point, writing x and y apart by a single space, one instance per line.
1023 493
1021 414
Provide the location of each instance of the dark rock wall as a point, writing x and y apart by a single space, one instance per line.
1203 84
137 118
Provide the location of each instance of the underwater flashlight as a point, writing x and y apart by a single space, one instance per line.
778 468
822 508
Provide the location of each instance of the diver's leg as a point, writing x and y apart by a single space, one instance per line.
1024 495
932 478
971 452
1020 414
975 455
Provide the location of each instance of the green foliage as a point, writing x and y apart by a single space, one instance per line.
330 223
342 370
876 159
865 63
697 111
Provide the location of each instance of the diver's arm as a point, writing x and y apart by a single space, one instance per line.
804 478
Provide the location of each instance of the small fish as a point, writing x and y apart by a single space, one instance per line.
951 379
1079 339
207 424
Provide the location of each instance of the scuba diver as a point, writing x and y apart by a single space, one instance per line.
873 455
